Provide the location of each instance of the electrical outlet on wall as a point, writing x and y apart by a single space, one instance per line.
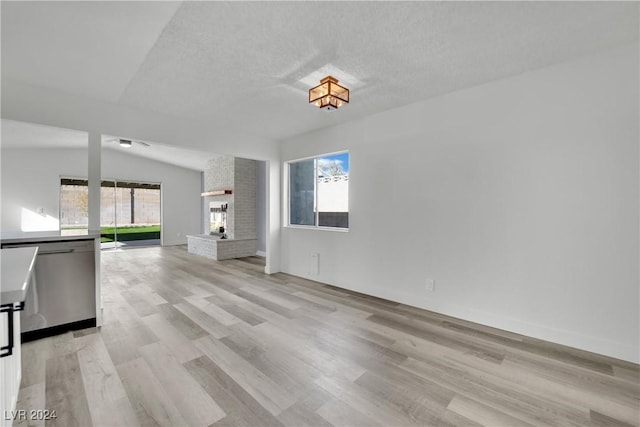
430 285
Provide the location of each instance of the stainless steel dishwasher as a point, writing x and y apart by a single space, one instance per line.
64 295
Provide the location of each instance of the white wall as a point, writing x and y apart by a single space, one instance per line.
519 197
31 179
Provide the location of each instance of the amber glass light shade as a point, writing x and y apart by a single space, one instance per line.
329 94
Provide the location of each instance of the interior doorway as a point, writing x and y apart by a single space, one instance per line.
130 212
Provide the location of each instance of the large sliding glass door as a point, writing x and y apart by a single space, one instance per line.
129 212
108 216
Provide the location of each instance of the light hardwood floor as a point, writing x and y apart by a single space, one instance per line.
190 341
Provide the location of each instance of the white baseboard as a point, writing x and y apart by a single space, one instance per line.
564 337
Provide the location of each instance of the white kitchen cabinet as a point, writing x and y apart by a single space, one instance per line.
16 276
10 369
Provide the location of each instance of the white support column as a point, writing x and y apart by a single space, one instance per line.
95 176
273 203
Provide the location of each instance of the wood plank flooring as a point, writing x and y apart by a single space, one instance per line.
190 341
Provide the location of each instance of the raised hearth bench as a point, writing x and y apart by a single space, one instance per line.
218 249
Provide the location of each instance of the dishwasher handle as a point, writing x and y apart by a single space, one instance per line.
56 251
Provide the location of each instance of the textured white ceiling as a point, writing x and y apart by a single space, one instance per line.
179 156
239 64
16 134
87 48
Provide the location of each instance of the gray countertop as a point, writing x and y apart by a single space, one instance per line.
17 265
41 236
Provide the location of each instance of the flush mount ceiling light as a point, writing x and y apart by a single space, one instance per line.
329 95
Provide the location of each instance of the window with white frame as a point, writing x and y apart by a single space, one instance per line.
319 191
